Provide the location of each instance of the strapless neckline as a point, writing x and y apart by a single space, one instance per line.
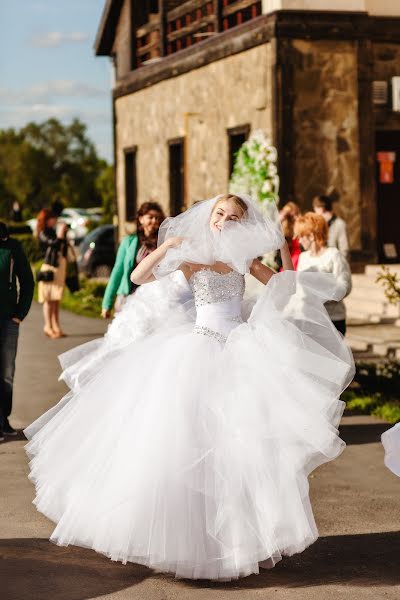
208 270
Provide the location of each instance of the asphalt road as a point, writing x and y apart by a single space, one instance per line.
356 502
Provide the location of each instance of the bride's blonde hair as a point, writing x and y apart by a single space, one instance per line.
235 199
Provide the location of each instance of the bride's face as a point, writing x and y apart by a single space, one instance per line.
224 210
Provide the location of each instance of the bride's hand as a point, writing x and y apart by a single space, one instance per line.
173 242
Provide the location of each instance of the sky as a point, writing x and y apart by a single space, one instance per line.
48 67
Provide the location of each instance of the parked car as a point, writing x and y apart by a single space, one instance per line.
78 220
97 252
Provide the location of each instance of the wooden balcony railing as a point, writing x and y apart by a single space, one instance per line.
236 12
172 30
148 40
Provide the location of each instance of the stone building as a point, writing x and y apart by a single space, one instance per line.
193 78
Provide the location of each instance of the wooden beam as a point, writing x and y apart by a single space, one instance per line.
145 49
188 30
234 8
147 28
217 9
366 137
185 8
283 115
162 11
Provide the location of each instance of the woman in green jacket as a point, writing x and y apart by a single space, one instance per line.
131 251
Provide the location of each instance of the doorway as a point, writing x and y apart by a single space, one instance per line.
387 160
176 176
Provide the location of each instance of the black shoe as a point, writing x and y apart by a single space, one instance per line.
1 436
7 429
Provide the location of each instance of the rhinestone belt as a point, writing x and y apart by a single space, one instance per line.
202 330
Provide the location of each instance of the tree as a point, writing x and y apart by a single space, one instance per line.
105 187
46 160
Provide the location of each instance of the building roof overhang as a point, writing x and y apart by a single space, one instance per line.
107 28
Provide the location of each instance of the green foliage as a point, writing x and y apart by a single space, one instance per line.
363 404
255 170
391 284
105 187
30 246
49 160
389 411
377 392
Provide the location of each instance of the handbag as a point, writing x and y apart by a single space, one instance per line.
45 276
72 276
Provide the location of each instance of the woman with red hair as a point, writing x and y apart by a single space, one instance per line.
312 232
52 274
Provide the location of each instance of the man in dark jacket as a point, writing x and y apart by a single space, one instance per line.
14 306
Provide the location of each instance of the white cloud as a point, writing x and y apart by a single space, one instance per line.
46 91
52 39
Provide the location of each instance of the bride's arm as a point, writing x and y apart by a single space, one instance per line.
260 271
287 263
264 273
143 273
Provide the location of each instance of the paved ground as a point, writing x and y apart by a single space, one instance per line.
356 502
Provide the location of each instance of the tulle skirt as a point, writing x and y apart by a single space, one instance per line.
189 455
391 445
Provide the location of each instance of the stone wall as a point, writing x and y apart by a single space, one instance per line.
325 127
226 93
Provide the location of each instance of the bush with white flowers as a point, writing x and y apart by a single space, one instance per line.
255 171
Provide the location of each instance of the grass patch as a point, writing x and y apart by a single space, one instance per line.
377 391
87 301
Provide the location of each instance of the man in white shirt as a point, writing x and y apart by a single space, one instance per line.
337 232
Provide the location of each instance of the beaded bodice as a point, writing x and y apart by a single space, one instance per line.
210 287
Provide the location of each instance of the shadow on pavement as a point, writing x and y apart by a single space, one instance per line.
33 569
363 434
14 438
360 560
84 335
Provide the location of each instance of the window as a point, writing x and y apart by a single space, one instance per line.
236 137
130 184
176 176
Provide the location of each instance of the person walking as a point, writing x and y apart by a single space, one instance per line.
132 250
52 274
337 230
16 292
312 232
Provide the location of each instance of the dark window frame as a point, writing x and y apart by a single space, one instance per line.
131 194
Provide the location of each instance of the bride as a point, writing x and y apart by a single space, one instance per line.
190 429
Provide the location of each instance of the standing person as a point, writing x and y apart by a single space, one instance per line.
287 216
131 251
312 231
337 232
16 212
187 448
14 306
52 274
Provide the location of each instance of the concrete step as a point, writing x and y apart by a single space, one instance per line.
369 307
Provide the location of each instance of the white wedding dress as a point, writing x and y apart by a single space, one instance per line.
189 432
